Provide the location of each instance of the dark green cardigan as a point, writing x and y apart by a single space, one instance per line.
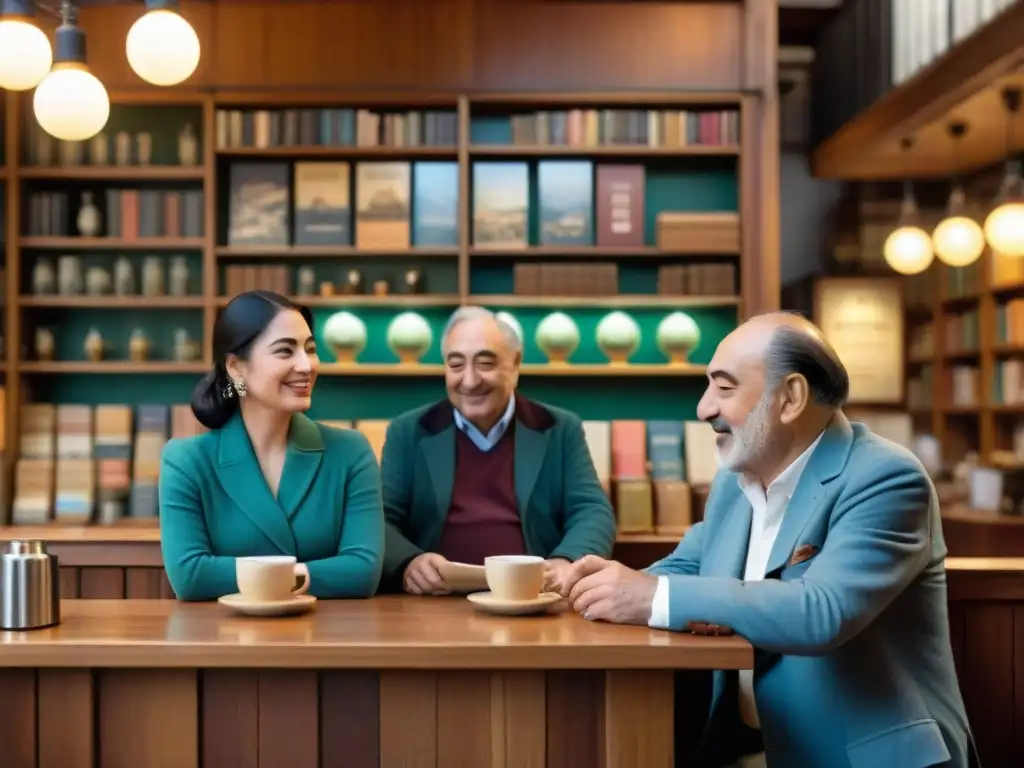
564 510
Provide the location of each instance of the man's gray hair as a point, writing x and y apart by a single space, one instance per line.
474 313
794 351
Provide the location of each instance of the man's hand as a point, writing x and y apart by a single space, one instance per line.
557 571
610 591
422 576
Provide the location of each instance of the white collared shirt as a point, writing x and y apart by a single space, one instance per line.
494 434
768 511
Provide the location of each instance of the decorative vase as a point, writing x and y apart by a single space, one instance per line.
124 277
510 320
179 276
188 146
123 148
306 281
99 149
44 344
44 279
94 345
138 346
345 334
678 335
88 217
409 337
618 336
557 337
143 148
97 281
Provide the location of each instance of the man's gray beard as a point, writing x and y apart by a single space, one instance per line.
751 442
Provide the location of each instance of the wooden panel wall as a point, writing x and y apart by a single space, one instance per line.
239 718
452 45
988 644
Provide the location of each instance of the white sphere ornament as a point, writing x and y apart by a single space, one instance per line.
908 250
618 336
557 337
678 335
25 54
1004 228
345 334
162 47
958 241
409 337
71 103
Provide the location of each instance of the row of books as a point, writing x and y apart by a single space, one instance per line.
399 204
81 463
127 214
328 127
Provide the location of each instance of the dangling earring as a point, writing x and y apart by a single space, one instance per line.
240 388
228 390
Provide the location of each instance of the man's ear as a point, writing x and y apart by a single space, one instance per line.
795 397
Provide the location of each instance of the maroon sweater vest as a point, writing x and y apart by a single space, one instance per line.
483 519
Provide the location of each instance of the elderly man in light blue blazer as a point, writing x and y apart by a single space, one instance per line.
822 545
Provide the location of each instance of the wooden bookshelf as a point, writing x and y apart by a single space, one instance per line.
451 75
962 306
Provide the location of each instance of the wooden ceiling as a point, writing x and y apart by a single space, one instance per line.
964 84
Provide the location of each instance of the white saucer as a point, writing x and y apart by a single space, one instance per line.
293 605
486 601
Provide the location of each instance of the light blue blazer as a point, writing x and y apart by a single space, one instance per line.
852 664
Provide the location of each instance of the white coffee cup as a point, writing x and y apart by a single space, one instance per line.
267 578
514 577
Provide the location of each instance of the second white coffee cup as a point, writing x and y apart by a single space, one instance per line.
269 578
514 577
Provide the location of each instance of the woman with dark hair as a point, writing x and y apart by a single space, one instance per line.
266 480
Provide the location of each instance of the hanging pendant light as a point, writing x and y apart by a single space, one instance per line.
908 248
161 46
1004 227
25 53
71 103
958 239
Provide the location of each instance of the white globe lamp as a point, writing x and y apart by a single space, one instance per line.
25 53
162 47
908 249
71 103
1004 227
958 239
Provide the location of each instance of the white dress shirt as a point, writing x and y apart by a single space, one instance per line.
768 510
488 441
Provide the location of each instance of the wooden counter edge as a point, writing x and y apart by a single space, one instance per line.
705 654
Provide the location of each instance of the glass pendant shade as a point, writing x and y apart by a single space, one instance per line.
25 52
71 103
1004 227
958 239
162 47
908 249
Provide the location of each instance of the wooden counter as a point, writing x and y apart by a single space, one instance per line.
393 681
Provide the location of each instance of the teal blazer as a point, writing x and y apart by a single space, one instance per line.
215 505
563 508
852 664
